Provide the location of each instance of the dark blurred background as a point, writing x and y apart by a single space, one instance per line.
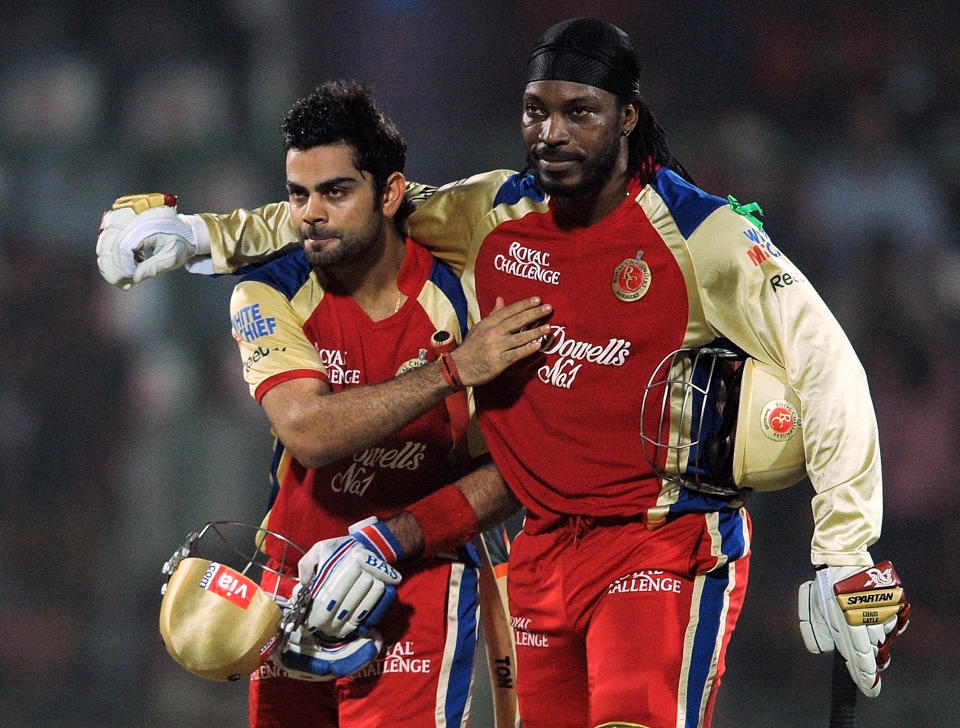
126 422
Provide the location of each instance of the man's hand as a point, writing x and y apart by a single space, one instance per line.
858 610
142 236
350 581
506 335
311 656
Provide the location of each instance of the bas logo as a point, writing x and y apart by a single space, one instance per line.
229 584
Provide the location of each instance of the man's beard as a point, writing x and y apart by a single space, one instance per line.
351 248
595 172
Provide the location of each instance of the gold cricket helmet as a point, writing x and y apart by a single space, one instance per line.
221 609
719 422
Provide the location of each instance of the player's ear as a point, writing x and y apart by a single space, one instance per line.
393 192
629 115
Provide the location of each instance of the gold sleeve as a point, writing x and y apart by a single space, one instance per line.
267 328
247 237
754 296
447 220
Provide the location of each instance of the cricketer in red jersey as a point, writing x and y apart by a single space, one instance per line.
637 262
339 345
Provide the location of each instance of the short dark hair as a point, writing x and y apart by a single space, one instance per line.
346 112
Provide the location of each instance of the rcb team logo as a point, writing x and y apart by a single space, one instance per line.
779 420
631 279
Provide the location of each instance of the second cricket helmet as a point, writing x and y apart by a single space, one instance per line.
719 422
221 609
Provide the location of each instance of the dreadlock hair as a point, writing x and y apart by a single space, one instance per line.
647 144
345 112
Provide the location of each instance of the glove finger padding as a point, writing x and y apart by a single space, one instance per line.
350 586
814 629
344 601
306 656
116 265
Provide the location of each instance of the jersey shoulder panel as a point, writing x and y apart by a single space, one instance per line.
688 204
517 187
286 274
448 283
248 237
447 221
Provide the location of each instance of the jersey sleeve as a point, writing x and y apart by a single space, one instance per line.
446 222
754 296
272 344
249 237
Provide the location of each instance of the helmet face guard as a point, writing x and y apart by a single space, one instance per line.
718 422
221 609
687 418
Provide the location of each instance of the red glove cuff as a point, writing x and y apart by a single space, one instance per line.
446 519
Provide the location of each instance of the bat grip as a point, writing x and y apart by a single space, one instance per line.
843 694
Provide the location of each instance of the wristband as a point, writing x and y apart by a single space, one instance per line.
446 519
449 371
374 535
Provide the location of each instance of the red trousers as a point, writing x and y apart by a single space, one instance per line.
421 679
617 622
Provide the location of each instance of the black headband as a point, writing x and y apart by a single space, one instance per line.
588 51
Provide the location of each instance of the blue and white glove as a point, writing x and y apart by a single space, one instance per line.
311 656
142 236
350 579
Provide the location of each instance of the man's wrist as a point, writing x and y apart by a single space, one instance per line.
376 535
446 520
451 374
406 529
200 234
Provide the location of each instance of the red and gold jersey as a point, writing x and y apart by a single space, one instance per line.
289 326
671 267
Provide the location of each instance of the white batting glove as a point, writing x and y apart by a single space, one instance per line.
859 611
310 656
142 236
350 580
